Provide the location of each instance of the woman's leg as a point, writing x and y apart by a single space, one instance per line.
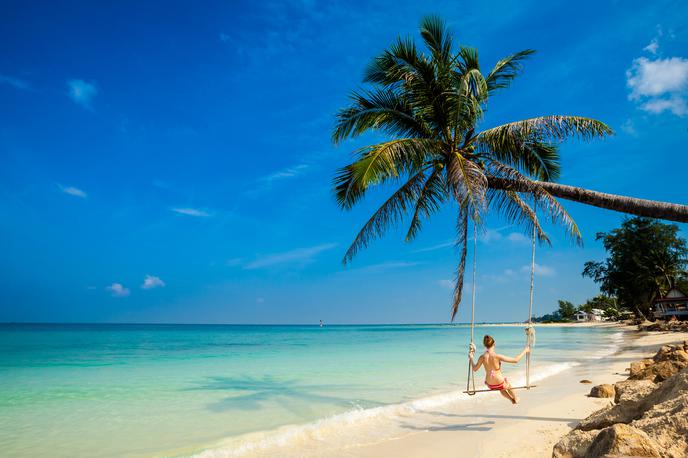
506 395
510 393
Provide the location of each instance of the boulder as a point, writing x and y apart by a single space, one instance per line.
668 365
632 390
622 440
638 368
666 419
574 444
663 370
608 416
602 391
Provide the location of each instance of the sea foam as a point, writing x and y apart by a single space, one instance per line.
330 431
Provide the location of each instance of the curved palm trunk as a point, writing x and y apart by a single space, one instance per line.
632 205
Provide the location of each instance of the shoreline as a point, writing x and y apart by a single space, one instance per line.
390 430
452 423
530 429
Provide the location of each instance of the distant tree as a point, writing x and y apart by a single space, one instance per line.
645 259
601 301
566 310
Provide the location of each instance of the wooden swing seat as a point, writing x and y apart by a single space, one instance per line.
512 388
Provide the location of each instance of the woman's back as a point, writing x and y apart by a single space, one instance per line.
493 366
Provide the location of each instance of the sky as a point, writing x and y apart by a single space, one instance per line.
171 161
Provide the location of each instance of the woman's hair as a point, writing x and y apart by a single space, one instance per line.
488 341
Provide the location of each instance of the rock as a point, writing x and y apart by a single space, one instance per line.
602 391
585 381
666 418
632 390
663 370
574 444
622 440
666 364
638 368
608 416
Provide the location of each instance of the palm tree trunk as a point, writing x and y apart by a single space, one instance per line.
631 205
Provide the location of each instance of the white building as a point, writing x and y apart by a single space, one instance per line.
594 315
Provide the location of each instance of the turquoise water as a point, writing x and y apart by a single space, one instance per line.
159 390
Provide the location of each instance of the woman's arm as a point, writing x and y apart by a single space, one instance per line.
507 359
477 365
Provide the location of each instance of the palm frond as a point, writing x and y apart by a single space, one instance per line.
390 213
516 211
432 195
392 65
379 163
506 70
546 129
547 204
434 32
379 109
468 183
462 244
534 158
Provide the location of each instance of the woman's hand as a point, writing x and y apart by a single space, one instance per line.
471 351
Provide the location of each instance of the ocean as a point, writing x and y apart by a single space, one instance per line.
224 390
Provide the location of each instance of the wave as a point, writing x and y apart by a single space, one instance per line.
328 430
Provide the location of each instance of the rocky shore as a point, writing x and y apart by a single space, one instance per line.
664 326
647 418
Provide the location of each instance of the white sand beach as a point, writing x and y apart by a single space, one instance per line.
489 426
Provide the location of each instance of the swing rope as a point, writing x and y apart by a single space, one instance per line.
530 330
471 348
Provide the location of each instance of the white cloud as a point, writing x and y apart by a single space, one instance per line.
676 105
659 85
540 269
629 127
649 78
151 281
82 92
652 47
299 256
435 247
16 83
72 191
490 235
289 172
517 237
190 211
118 290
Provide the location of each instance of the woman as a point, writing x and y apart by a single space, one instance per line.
494 379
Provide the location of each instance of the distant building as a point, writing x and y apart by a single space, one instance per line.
594 315
673 304
581 316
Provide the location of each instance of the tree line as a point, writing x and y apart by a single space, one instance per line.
645 259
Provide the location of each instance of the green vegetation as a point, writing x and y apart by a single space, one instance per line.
645 259
567 310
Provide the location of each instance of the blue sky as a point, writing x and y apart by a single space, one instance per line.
171 162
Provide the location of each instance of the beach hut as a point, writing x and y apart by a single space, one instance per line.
581 316
673 304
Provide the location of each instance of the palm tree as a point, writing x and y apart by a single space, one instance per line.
430 104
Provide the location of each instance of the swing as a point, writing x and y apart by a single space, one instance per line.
530 329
